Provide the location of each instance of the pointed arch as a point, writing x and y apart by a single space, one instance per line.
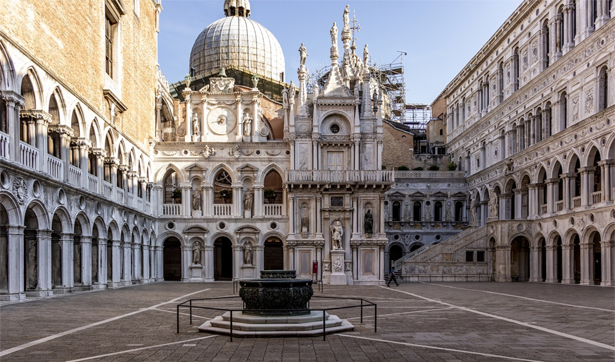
30 89
7 69
77 122
94 133
222 166
56 106
162 173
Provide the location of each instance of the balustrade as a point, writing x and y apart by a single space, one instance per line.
4 145
223 210
543 209
340 176
273 209
120 195
596 197
107 189
93 183
28 155
74 175
171 209
576 201
55 167
559 205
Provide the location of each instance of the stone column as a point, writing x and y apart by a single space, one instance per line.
291 219
589 18
606 262
116 259
41 142
257 205
14 102
160 264
84 148
319 216
86 260
145 261
603 13
586 263
102 262
209 263
15 277
44 261
237 200
551 195
535 264
567 273
586 183
551 267
136 264
568 178
606 179
68 279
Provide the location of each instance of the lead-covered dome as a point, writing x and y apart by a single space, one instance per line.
238 42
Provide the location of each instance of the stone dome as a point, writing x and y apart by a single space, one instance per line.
238 42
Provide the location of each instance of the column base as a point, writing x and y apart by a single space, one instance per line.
12 297
607 283
39 293
99 286
568 281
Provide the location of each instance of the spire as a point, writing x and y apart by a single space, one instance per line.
237 8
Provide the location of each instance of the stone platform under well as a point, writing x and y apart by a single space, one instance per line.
275 326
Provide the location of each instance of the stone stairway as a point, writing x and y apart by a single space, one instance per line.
245 325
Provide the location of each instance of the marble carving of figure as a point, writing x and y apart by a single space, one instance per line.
196 127
292 90
473 205
302 54
334 34
196 200
248 199
247 124
368 223
493 205
365 55
247 254
305 219
346 16
196 253
285 96
337 231
337 265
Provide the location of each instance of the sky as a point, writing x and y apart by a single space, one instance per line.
438 36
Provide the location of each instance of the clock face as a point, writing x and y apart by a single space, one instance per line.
221 121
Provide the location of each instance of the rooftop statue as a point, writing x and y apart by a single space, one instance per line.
302 54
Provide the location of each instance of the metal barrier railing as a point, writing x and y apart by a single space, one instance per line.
364 303
446 277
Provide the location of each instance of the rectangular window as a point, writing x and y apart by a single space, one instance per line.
480 256
470 256
109 24
337 201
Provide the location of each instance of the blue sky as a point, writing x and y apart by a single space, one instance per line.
439 36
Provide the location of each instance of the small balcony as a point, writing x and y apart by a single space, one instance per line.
596 197
346 177
576 202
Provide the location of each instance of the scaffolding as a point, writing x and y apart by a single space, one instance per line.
417 115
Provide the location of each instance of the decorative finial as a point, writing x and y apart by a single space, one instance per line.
237 8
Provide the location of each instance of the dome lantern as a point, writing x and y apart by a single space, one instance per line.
237 8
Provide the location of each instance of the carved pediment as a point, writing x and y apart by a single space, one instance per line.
194 168
196 230
221 85
247 230
440 195
417 195
459 195
397 195
247 169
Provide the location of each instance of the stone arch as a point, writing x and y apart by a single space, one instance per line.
102 228
162 173
222 166
65 219
271 234
58 98
415 245
7 69
270 167
31 90
520 258
41 213
94 133
168 234
591 155
331 117
110 143
11 207
219 234
77 122
85 223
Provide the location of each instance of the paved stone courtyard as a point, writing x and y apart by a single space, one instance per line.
416 322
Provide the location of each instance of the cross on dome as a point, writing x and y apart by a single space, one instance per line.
237 8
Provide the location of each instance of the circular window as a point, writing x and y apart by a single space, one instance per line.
170 225
273 225
221 225
571 221
438 237
258 152
61 197
5 180
428 203
82 202
396 237
36 188
335 128
98 208
417 237
591 217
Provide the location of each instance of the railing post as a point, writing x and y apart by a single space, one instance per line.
361 310
231 329
324 325
190 311
177 318
375 318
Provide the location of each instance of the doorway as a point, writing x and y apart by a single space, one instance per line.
223 259
274 254
172 260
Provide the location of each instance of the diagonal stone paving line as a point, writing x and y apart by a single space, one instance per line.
142 348
185 314
547 330
402 313
439 348
74 330
521 297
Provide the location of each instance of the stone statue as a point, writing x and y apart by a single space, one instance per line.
448 216
292 91
302 54
247 253
248 199
337 231
316 90
196 200
334 35
346 17
337 265
196 127
368 222
493 206
427 213
285 96
473 205
247 124
196 253
365 55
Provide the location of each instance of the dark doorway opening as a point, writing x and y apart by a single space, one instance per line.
172 259
274 254
223 259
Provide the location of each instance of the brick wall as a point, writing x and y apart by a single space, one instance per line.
397 148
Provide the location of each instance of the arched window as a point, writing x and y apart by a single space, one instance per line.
458 211
396 211
223 193
515 70
559 26
273 192
603 89
172 192
3 116
417 211
563 111
437 211
545 45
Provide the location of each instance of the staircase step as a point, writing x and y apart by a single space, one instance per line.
207 327
256 319
330 323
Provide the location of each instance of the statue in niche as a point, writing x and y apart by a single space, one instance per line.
368 222
248 199
448 212
196 127
427 212
247 124
493 205
305 219
334 35
196 199
337 231
302 54
196 253
247 253
473 205
406 211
